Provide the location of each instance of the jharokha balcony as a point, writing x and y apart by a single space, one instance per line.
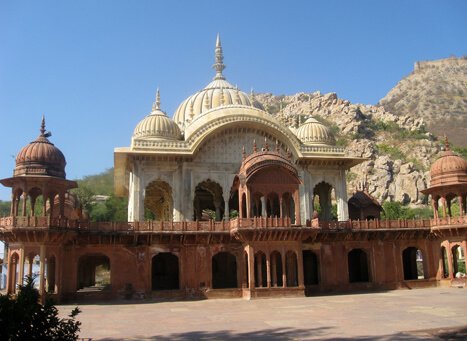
154 226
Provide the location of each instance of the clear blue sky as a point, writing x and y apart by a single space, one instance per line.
92 67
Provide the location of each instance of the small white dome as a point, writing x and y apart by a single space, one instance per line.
314 132
157 125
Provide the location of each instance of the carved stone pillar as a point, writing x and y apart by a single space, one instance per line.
251 266
443 199
42 272
461 206
268 270
25 200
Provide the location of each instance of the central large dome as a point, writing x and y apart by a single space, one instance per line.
216 94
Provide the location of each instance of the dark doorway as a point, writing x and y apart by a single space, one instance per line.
310 267
165 272
413 263
224 271
276 269
94 271
358 266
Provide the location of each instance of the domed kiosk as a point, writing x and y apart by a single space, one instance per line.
448 181
39 171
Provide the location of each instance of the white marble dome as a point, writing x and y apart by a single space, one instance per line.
216 94
313 132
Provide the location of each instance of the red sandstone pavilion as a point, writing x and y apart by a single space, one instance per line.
232 191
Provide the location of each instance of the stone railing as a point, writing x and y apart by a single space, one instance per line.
224 226
374 224
259 222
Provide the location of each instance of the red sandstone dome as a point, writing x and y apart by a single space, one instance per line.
450 168
40 157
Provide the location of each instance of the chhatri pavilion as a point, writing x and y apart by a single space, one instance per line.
221 203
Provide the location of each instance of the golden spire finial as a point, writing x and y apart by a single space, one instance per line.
219 65
157 104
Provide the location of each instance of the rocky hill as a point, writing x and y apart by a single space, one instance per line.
398 147
437 92
399 135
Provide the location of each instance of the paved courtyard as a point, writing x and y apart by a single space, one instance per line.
422 314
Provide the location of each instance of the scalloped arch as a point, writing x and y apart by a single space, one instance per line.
240 116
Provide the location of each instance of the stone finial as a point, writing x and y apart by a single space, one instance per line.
44 133
277 146
157 104
42 130
219 65
255 147
446 143
243 153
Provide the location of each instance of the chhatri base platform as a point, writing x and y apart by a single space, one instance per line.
423 314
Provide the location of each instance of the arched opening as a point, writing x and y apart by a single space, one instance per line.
445 264
458 261
35 206
323 196
358 266
273 207
412 260
158 201
209 202
94 271
165 271
244 205
50 275
224 271
310 268
260 270
276 269
268 175
291 269
288 206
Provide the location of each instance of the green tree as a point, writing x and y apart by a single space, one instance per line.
24 318
5 208
393 210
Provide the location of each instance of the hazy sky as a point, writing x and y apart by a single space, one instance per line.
92 67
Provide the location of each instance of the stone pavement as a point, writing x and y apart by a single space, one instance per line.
422 314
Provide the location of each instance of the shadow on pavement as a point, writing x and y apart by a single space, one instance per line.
459 333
